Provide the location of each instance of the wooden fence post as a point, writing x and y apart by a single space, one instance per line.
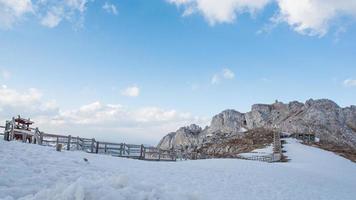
97 147
83 144
105 148
68 143
77 142
12 129
6 132
92 145
141 153
57 141
122 149
24 137
41 138
144 152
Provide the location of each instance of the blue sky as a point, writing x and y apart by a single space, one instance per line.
169 63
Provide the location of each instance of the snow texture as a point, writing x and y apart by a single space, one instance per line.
30 171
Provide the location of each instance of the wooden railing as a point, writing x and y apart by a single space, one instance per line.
114 149
69 142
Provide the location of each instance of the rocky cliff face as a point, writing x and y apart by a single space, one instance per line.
324 118
184 136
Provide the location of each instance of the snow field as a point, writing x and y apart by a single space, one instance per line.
30 171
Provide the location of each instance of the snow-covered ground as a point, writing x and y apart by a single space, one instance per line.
30 171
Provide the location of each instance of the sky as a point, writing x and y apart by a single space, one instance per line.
134 70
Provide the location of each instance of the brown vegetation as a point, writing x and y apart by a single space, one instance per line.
231 147
344 151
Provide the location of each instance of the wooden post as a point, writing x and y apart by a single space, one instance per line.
97 147
92 145
6 133
57 141
12 129
141 152
68 143
122 150
58 147
128 150
105 148
41 138
77 142
144 152
24 137
83 145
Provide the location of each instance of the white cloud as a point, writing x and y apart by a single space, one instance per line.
215 79
113 122
224 74
307 17
222 11
132 91
49 13
12 11
5 75
29 102
53 12
51 20
117 122
350 82
228 74
313 17
110 8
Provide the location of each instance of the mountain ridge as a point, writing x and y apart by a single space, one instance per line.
329 122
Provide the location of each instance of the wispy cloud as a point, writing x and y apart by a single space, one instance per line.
350 82
110 8
228 74
224 74
132 91
5 75
49 13
220 11
215 79
13 11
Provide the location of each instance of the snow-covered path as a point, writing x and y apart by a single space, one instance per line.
29 171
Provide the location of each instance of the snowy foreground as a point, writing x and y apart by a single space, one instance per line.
29 171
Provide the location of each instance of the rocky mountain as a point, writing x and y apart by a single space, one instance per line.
324 118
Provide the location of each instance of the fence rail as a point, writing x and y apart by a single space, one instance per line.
68 142
115 149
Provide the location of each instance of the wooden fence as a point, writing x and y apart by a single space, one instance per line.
115 149
91 145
